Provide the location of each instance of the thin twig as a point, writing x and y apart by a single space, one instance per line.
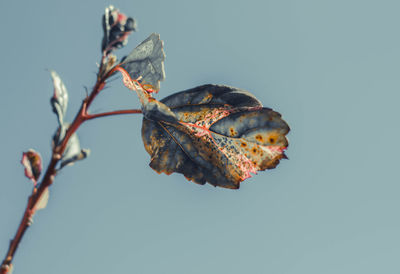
57 152
117 112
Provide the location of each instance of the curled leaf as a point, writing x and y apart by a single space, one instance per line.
147 61
116 26
217 134
59 101
73 151
32 162
84 153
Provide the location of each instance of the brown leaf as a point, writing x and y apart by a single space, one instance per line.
32 162
215 134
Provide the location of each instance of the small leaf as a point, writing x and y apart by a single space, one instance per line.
42 203
32 162
147 61
73 147
220 135
84 153
59 101
116 26
73 152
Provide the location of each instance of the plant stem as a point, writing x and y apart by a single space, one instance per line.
117 112
51 170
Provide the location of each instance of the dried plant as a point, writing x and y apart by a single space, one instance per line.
212 133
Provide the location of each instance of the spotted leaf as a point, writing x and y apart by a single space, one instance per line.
215 134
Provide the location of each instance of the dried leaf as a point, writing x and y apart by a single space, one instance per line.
116 26
215 134
147 61
32 162
59 101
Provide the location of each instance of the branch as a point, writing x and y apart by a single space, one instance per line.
48 178
116 26
117 112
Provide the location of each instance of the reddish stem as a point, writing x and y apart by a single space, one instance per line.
117 112
58 151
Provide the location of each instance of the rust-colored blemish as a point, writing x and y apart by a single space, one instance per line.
273 137
206 99
259 137
243 144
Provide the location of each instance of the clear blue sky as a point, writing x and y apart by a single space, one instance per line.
330 67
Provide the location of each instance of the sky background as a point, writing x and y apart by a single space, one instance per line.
331 68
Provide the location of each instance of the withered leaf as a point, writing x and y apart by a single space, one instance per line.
116 26
147 61
32 162
213 133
